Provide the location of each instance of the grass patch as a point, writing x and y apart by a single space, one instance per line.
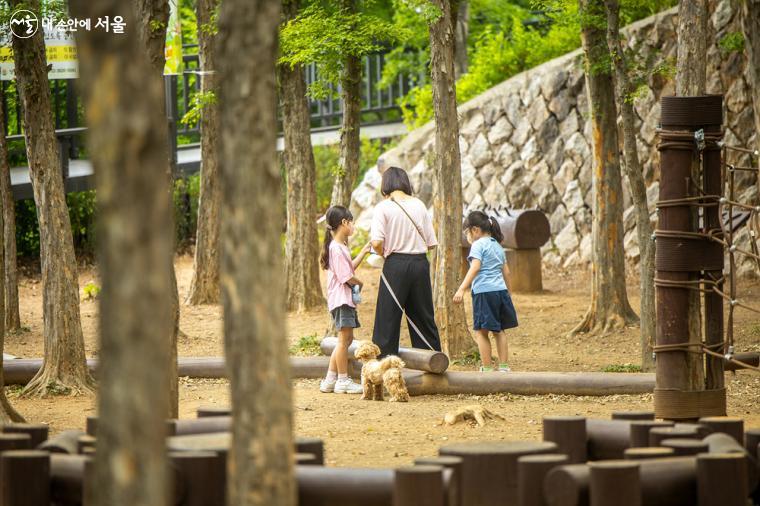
472 357
621 368
307 346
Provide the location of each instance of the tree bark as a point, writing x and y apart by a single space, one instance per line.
350 142
461 62
127 142
260 461
12 317
64 368
153 18
447 174
303 290
7 412
751 29
636 181
609 309
204 286
691 79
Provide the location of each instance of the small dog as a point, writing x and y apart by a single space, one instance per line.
376 373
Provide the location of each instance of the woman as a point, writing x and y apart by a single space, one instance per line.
402 232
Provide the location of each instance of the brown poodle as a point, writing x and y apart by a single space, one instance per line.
376 373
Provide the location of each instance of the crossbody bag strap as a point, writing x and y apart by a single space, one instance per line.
416 227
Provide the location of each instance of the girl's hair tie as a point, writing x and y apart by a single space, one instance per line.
329 227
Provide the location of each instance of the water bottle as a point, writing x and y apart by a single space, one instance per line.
356 294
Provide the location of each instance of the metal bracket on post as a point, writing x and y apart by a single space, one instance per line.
699 139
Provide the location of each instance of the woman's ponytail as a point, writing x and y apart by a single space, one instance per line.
496 230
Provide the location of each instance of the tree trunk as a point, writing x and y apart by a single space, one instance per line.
12 318
691 79
153 18
751 29
133 219
64 368
350 143
462 30
609 309
636 181
447 174
7 413
260 461
204 287
303 290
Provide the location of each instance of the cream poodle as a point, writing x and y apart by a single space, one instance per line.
376 373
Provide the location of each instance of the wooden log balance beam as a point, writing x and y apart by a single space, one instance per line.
419 382
422 360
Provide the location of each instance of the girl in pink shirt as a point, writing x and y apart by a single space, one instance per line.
341 278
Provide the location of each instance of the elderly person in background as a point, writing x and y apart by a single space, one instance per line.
402 232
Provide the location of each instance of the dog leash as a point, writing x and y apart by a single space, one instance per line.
388 286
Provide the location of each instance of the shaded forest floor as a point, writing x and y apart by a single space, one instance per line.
370 434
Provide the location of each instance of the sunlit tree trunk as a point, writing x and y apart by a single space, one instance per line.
637 184
12 317
204 287
64 368
350 143
127 142
153 17
303 290
447 174
609 309
260 461
691 79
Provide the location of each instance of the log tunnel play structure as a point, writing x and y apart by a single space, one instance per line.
684 452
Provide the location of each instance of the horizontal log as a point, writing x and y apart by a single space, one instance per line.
752 358
328 486
421 383
528 383
414 358
21 371
67 478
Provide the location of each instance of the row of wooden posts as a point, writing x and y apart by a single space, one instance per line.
630 460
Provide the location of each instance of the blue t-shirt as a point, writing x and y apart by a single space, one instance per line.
491 256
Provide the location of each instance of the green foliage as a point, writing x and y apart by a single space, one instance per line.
469 358
325 35
91 291
188 22
199 101
622 368
307 346
326 160
357 241
732 42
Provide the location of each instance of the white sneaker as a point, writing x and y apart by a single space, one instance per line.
327 386
347 386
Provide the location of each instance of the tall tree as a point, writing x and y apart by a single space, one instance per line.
7 413
303 290
691 80
152 20
64 366
447 174
350 142
609 309
260 461
204 286
12 317
127 142
633 170
751 30
462 29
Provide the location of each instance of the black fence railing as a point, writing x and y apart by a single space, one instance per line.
379 105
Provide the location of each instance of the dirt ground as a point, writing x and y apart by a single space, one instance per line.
373 434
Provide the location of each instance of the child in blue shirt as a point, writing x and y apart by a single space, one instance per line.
492 308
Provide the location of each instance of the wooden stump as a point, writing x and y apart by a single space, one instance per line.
524 269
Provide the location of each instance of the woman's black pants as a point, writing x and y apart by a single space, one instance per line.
409 277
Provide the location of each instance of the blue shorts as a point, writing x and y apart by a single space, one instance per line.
493 311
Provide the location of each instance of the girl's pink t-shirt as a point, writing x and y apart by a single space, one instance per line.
341 270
